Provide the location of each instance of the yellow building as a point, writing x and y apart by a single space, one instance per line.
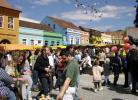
117 37
94 35
9 23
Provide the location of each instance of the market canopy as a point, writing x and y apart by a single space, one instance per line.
15 47
9 47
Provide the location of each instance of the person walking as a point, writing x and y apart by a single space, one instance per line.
43 68
69 77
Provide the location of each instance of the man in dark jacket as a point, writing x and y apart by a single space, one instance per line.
132 61
43 68
133 68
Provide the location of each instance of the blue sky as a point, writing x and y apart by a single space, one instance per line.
115 14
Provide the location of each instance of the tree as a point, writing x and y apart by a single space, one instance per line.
136 18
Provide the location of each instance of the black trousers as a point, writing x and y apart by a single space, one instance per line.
116 76
134 80
126 77
44 86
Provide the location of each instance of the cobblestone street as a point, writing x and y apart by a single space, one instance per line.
111 93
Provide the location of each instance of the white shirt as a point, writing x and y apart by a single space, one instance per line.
88 59
51 60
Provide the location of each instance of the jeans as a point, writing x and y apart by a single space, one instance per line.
26 87
59 73
11 95
45 86
35 77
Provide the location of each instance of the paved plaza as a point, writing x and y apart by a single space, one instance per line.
110 93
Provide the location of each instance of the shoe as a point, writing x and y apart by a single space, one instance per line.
35 89
57 89
100 89
95 90
134 92
125 86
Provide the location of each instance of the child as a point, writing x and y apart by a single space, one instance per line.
97 70
107 71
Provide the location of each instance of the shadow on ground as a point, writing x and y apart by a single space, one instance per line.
116 99
120 89
88 89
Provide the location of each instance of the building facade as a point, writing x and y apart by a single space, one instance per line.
37 34
117 37
106 38
70 32
52 39
94 35
9 23
84 38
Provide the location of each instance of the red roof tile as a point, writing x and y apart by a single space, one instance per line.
64 24
4 4
35 25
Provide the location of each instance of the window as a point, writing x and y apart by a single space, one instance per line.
46 43
77 41
49 25
58 43
54 26
24 41
52 43
1 21
71 40
39 42
32 42
10 22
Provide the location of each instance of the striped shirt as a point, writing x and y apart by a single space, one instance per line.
5 82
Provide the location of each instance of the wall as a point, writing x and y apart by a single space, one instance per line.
52 36
84 38
106 39
10 34
66 33
57 29
30 34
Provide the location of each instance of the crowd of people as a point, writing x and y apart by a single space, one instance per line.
42 70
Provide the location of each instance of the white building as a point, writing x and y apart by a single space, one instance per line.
106 38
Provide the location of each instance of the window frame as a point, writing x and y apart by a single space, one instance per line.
58 43
40 42
8 22
52 43
32 41
25 41
2 21
47 43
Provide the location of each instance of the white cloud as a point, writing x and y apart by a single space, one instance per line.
44 2
29 20
108 11
111 11
79 15
104 28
